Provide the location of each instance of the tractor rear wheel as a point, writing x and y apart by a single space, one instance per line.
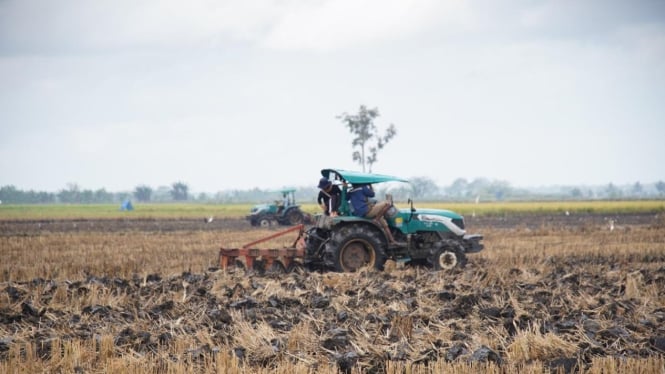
447 255
354 247
294 217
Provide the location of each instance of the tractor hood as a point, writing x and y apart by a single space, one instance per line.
434 212
428 220
260 208
355 177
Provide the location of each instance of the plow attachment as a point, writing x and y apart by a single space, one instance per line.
270 257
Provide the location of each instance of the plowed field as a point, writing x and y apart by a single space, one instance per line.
549 293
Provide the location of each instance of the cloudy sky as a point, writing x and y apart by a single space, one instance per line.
226 94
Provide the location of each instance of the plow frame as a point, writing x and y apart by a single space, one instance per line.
228 256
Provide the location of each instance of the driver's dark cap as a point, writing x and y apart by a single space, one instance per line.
324 183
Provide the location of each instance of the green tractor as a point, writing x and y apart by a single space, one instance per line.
346 243
284 212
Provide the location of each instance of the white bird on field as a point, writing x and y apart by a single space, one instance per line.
611 225
185 284
209 219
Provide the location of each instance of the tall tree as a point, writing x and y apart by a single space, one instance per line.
660 187
179 191
459 188
71 195
143 193
367 139
612 191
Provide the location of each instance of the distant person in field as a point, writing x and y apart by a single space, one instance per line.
329 197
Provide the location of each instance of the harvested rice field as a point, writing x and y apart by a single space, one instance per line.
549 293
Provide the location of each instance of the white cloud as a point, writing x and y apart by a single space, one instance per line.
646 41
343 23
296 24
104 24
535 16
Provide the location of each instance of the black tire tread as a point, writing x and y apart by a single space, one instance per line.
343 235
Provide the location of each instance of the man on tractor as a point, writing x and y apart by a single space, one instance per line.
364 207
329 197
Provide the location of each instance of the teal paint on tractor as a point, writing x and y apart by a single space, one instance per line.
430 236
356 177
407 224
264 208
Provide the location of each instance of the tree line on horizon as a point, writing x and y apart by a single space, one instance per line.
422 188
367 142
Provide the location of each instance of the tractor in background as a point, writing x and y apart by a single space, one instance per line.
284 211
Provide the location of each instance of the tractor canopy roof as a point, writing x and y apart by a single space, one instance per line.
287 190
283 191
356 177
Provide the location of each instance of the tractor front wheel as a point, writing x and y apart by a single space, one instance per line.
447 255
264 222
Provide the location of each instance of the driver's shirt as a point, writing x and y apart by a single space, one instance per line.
358 197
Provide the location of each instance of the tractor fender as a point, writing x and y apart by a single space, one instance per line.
285 218
290 208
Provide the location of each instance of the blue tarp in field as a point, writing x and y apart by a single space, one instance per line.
126 205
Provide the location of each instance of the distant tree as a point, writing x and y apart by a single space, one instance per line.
143 193
479 186
399 192
612 191
367 138
9 194
423 187
637 189
576 193
161 193
459 188
499 189
660 187
179 191
103 196
12 195
72 194
86 196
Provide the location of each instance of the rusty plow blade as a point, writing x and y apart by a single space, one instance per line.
287 256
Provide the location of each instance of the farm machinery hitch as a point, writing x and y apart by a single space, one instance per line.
270 257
